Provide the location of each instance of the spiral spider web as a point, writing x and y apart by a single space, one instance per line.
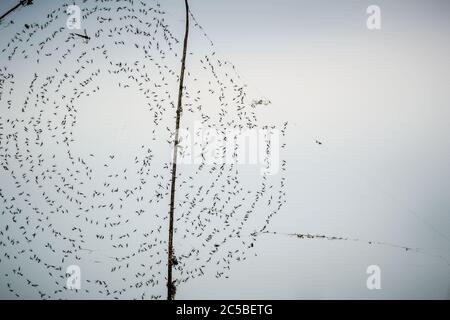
86 131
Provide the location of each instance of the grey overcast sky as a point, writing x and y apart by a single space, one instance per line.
378 100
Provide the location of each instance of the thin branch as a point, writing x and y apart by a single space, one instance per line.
21 3
171 289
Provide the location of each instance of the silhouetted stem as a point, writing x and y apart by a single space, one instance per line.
170 284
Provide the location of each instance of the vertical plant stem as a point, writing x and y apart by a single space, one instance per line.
170 257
